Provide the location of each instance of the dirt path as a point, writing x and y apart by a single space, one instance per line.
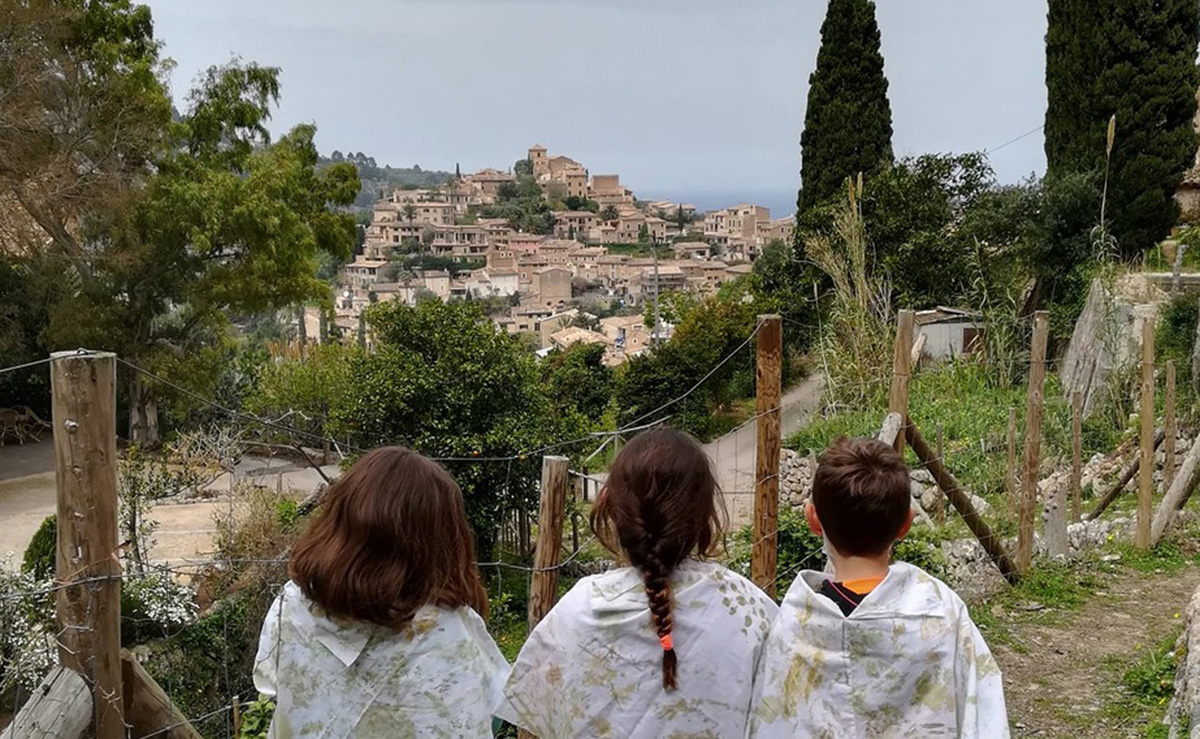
1060 677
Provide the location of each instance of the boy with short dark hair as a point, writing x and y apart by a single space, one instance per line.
880 649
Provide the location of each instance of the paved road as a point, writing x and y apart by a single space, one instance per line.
27 496
734 454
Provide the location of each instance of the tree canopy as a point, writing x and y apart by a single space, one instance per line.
1135 61
848 122
159 230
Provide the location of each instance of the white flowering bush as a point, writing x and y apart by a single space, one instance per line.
26 629
157 602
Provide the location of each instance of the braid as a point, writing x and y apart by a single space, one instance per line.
659 505
658 589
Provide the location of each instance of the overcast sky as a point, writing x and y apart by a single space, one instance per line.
681 97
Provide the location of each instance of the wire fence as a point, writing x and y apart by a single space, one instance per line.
202 653
204 657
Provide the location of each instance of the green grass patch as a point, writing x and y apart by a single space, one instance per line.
1044 595
1146 688
1167 557
973 414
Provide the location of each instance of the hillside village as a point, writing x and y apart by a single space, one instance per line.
605 248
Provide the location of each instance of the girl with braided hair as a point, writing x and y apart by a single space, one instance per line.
666 646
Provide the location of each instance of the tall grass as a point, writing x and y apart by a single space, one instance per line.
856 341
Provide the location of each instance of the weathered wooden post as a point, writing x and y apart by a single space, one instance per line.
1010 479
962 503
768 393
544 585
902 371
1145 507
549 539
940 506
88 606
1076 455
1170 430
1033 439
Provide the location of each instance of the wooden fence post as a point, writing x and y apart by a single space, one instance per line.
1033 439
1145 507
88 609
902 371
1170 428
1076 455
1010 480
962 503
544 587
59 708
940 506
768 392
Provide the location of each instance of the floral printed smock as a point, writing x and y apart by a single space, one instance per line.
593 667
907 663
436 678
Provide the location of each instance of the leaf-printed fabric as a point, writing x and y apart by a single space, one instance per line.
593 667
908 663
437 678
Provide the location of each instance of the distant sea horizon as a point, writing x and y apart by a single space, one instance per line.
781 202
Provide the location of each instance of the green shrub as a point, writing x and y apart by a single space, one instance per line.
40 555
1176 335
256 718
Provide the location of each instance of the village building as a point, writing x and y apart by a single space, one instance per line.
556 322
575 224
492 283
573 335
552 286
486 183
948 333
606 190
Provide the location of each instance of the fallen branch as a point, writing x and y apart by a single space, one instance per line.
1115 491
962 503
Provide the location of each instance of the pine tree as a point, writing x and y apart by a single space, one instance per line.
1135 60
848 125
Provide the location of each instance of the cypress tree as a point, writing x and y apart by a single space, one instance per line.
848 124
1136 60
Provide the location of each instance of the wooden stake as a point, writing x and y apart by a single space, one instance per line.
902 370
1171 429
84 400
1145 509
1033 439
766 477
60 708
962 503
1076 455
544 588
939 508
1010 479
1119 486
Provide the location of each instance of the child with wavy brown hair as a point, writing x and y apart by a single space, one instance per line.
380 631
664 647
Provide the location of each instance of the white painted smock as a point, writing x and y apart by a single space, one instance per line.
907 663
438 677
593 667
